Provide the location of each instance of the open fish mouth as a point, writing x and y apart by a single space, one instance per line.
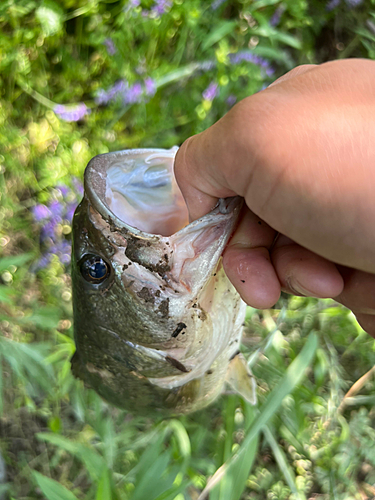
166 310
139 191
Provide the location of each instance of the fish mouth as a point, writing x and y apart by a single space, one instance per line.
137 190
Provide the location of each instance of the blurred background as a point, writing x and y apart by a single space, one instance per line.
79 78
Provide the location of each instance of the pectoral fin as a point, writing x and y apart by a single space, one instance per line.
240 378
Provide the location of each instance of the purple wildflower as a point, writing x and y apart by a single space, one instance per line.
50 216
231 100
216 4
40 212
117 89
110 46
49 229
211 92
244 55
63 250
70 209
65 257
332 4
150 87
133 94
72 113
132 4
43 261
353 3
161 6
56 208
115 92
275 19
64 190
136 93
101 97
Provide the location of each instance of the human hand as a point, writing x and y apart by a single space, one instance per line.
302 155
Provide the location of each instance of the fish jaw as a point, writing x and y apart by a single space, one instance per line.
159 334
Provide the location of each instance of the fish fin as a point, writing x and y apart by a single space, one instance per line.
240 378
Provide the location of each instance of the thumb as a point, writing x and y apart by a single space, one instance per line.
218 162
200 182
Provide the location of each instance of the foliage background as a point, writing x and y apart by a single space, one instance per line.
79 78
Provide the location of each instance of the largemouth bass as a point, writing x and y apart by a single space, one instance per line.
157 323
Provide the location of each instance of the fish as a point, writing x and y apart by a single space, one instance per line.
157 323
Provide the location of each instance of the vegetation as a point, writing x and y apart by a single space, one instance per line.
79 78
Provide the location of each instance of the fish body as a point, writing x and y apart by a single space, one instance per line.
156 319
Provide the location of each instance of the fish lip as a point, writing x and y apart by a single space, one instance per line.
94 187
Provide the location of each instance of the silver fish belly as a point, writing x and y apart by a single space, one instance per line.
156 320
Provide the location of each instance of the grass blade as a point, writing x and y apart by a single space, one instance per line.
51 489
94 463
292 377
152 482
182 437
172 493
15 260
282 463
104 487
225 28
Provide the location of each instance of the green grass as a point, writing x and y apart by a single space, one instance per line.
311 434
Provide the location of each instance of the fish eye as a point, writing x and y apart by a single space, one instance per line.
94 269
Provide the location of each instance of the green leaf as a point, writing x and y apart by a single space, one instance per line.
6 294
27 361
94 463
177 74
282 463
274 54
220 32
14 260
289 381
181 436
233 483
259 4
152 482
172 493
51 489
50 16
154 477
104 491
54 423
365 33
46 317
272 34
290 40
